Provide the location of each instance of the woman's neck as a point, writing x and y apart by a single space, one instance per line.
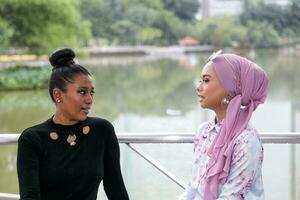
220 115
59 118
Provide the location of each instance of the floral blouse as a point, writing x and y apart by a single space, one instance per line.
245 178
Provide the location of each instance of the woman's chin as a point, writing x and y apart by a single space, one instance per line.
82 117
202 105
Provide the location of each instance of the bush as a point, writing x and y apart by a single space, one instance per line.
24 78
222 32
262 35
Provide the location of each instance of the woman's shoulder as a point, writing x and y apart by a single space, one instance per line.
249 136
205 125
101 122
33 131
249 131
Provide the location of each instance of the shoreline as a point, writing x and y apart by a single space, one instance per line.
150 52
115 51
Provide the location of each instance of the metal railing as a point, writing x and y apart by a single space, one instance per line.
174 137
170 138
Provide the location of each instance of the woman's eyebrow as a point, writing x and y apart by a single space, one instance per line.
205 75
86 88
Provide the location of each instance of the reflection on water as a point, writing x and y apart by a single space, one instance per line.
22 109
147 94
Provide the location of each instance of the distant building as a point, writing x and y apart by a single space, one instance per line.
210 8
188 41
278 2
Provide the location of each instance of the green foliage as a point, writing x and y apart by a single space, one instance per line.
124 32
24 78
262 35
172 28
183 9
100 16
294 16
6 32
281 18
131 22
148 35
222 31
41 25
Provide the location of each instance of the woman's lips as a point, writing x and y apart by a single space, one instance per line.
200 98
85 110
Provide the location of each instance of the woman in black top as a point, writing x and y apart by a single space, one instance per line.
67 156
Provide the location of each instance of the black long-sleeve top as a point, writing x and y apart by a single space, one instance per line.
49 168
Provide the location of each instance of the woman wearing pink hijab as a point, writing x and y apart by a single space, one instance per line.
228 152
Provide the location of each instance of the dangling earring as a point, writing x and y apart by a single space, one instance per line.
225 101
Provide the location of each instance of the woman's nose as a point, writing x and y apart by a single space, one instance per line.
199 86
89 99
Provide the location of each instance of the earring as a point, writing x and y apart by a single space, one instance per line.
225 101
58 100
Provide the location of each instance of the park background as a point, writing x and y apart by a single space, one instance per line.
145 73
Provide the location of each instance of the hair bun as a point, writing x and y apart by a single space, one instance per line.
62 57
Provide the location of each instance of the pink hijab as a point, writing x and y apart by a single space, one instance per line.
247 84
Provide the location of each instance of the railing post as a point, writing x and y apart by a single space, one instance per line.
158 166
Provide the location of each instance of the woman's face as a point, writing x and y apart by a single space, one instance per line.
210 91
76 102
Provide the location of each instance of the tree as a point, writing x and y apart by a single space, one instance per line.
172 28
148 35
139 17
280 18
41 25
183 9
99 14
6 32
222 31
294 16
262 35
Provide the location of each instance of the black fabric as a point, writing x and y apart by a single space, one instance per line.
53 170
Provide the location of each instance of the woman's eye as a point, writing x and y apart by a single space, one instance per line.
82 92
203 81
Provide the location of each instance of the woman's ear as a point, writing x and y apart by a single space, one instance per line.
57 94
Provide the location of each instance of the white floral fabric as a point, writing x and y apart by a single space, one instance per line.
245 178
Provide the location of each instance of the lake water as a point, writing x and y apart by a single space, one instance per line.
157 94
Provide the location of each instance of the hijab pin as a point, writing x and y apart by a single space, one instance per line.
214 55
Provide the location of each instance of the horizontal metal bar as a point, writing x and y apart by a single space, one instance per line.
9 138
6 196
175 137
280 138
158 166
